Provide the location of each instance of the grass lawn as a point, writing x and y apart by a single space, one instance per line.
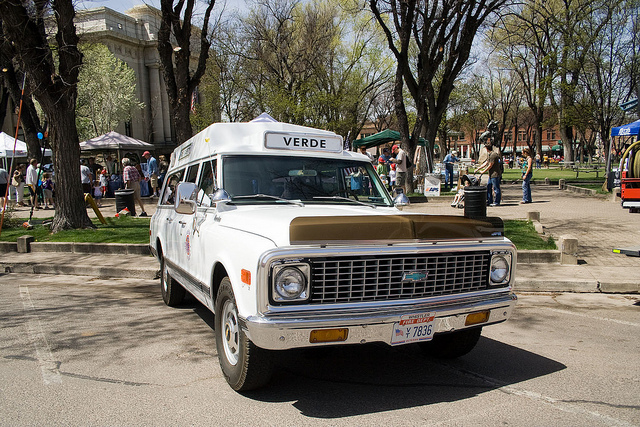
136 230
554 175
524 236
117 230
597 187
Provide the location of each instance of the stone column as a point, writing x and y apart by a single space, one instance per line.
166 116
155 95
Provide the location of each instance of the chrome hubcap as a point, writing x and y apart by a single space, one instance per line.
231 332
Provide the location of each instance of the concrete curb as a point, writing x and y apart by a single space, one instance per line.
91 248
140 272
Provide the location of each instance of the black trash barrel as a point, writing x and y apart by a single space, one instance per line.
124 199
475 201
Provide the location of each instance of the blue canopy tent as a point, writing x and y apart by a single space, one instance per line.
627 130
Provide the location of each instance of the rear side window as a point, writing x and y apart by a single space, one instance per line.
208 183
192 173
169 189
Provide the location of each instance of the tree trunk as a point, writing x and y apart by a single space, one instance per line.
70 206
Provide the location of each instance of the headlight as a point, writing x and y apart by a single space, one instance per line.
499 269
290 283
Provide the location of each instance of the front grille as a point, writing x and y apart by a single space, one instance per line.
358 279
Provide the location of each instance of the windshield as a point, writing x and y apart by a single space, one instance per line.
278 179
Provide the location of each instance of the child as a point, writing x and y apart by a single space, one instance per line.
392 175
104 182
458 200
97 193
47 187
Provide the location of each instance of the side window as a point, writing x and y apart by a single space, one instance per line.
208 183
169 190
192 173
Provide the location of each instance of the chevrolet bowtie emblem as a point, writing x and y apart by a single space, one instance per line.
414 276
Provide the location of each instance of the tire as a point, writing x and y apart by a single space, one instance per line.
453 344
244 365
172 292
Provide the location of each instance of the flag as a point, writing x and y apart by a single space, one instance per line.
194 99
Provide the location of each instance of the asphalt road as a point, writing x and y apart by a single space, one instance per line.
82 351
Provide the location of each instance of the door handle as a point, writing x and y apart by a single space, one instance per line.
182 222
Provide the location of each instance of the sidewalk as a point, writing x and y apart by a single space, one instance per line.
599 224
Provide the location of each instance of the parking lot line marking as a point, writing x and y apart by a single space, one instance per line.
606 319
48 366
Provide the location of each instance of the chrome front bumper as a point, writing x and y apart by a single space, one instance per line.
293 330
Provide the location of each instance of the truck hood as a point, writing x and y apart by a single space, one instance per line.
331 224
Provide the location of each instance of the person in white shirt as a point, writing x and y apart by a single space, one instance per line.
32 182
401 165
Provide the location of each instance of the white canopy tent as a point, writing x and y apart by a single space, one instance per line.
114 141
7 145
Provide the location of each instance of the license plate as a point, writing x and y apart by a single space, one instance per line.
413 328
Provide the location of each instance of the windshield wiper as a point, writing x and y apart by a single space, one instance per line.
268 196
346 199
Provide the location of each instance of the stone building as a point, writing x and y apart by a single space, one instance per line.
132 38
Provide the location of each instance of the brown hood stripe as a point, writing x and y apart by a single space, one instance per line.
305 230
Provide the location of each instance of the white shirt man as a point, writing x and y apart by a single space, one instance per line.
32 182
401 165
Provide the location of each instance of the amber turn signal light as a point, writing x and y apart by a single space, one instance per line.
328 335
475 318
245 276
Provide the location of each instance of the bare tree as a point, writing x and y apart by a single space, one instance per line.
54 85
12 79
176 26
431 42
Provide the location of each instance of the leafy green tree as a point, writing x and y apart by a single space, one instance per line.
312 64
106 92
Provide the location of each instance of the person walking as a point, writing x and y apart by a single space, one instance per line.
131 178
492 167
32 182
449 160
152 169
16 188
527 174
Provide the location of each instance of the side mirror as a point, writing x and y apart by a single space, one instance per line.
220 196
185 198
400 200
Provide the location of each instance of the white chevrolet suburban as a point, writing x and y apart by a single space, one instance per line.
294 242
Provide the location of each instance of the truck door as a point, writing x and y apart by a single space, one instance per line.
201 237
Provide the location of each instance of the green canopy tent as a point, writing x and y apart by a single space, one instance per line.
380 138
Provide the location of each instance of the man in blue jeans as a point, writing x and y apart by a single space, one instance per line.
448 161
494 170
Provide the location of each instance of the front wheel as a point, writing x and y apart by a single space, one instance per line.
244 365
172 292
453 344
